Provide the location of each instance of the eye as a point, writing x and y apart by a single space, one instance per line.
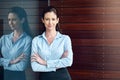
8 19
14 19
53 19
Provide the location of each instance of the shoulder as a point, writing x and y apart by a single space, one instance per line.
39 36
36 38
5 36
65 36
27 37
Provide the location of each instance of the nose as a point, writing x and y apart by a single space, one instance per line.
50 21
10 22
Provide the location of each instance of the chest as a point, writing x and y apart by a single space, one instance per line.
10 49
55 49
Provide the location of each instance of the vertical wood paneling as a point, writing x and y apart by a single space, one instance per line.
1 33
1 27
94 27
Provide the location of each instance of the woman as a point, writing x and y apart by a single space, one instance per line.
51 51
15 47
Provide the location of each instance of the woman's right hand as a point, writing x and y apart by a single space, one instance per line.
36 58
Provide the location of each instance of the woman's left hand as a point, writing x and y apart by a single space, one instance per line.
18 59
36 58
65 54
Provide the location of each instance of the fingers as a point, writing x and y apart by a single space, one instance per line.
18 59
22 56
34 57
65 54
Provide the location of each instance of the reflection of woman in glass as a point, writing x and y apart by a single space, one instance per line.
15 47
51 51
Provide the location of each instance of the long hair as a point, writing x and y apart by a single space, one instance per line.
21 13
51 9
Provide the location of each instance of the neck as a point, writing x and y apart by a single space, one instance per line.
50 34
17 33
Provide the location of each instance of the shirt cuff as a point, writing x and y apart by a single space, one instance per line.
1 62
4 62
52 64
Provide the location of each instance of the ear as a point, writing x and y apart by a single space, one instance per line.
57 20
42 20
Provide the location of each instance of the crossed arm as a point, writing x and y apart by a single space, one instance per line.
36 58
18 59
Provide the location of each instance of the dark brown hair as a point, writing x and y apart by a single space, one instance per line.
21 13
50 9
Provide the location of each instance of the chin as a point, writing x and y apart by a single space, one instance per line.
12 28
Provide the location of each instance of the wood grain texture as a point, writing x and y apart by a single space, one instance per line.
94 28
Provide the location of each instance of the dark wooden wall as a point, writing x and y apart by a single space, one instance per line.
1 33
1 27
94 27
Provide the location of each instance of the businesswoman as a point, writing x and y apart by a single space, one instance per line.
16 46
51 51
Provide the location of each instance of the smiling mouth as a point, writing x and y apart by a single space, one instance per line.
50 26
11 26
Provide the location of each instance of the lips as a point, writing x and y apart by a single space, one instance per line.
12 27
49 26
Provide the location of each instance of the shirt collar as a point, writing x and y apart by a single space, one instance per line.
22 35
59 35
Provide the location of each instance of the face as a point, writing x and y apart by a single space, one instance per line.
14 21
50 20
